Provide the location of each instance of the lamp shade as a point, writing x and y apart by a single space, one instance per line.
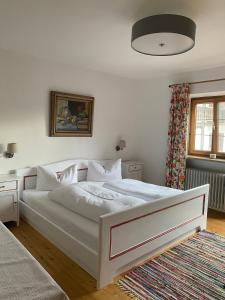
122 144
12 148
163 35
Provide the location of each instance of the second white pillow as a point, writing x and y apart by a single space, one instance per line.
109 172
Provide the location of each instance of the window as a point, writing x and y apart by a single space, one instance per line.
207 126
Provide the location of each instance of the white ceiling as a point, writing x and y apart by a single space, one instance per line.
95 34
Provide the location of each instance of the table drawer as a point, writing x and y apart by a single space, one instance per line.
8 207
8 186
135 168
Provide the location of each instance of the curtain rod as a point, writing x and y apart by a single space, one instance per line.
197 82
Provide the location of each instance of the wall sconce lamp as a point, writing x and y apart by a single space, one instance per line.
11 150
121 145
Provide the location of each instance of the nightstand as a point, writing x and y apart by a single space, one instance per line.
132 169
9 198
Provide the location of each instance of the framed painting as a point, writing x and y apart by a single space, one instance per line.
71 115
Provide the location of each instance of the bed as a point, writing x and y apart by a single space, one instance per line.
21 276
119 240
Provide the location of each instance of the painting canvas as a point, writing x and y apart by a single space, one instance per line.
71 115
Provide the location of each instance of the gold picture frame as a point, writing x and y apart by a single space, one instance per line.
71 115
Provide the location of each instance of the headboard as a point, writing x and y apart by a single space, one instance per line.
29 175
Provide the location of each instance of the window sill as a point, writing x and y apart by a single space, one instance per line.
220 160
206 163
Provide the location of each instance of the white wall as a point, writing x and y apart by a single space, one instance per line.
153 125
135 110
24 111
154 117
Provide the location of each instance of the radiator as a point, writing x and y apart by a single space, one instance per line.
197 177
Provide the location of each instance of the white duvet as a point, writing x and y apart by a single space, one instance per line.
140 189
92 201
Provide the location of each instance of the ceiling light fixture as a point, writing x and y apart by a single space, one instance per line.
163 35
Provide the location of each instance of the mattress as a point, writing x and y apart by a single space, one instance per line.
79 227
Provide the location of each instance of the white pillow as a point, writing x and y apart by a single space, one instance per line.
69 175
48 180
109 172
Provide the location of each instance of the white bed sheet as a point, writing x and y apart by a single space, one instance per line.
21 276
77 226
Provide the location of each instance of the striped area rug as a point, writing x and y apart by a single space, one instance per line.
195 270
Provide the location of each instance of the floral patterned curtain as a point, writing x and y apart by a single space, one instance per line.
176 159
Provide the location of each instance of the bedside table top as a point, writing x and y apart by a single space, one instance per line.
8 177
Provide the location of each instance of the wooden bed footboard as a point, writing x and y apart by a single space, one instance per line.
129 237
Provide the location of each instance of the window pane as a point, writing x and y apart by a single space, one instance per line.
203 126
221 126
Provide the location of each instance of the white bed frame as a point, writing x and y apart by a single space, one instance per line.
128 237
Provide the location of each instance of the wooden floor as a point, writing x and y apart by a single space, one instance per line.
76 282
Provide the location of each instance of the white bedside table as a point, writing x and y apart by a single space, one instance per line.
9 198
132 169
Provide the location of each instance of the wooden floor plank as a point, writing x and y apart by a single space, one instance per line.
77 283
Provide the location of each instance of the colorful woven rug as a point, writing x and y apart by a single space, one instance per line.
195 269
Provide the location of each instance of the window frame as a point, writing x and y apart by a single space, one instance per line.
191 142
